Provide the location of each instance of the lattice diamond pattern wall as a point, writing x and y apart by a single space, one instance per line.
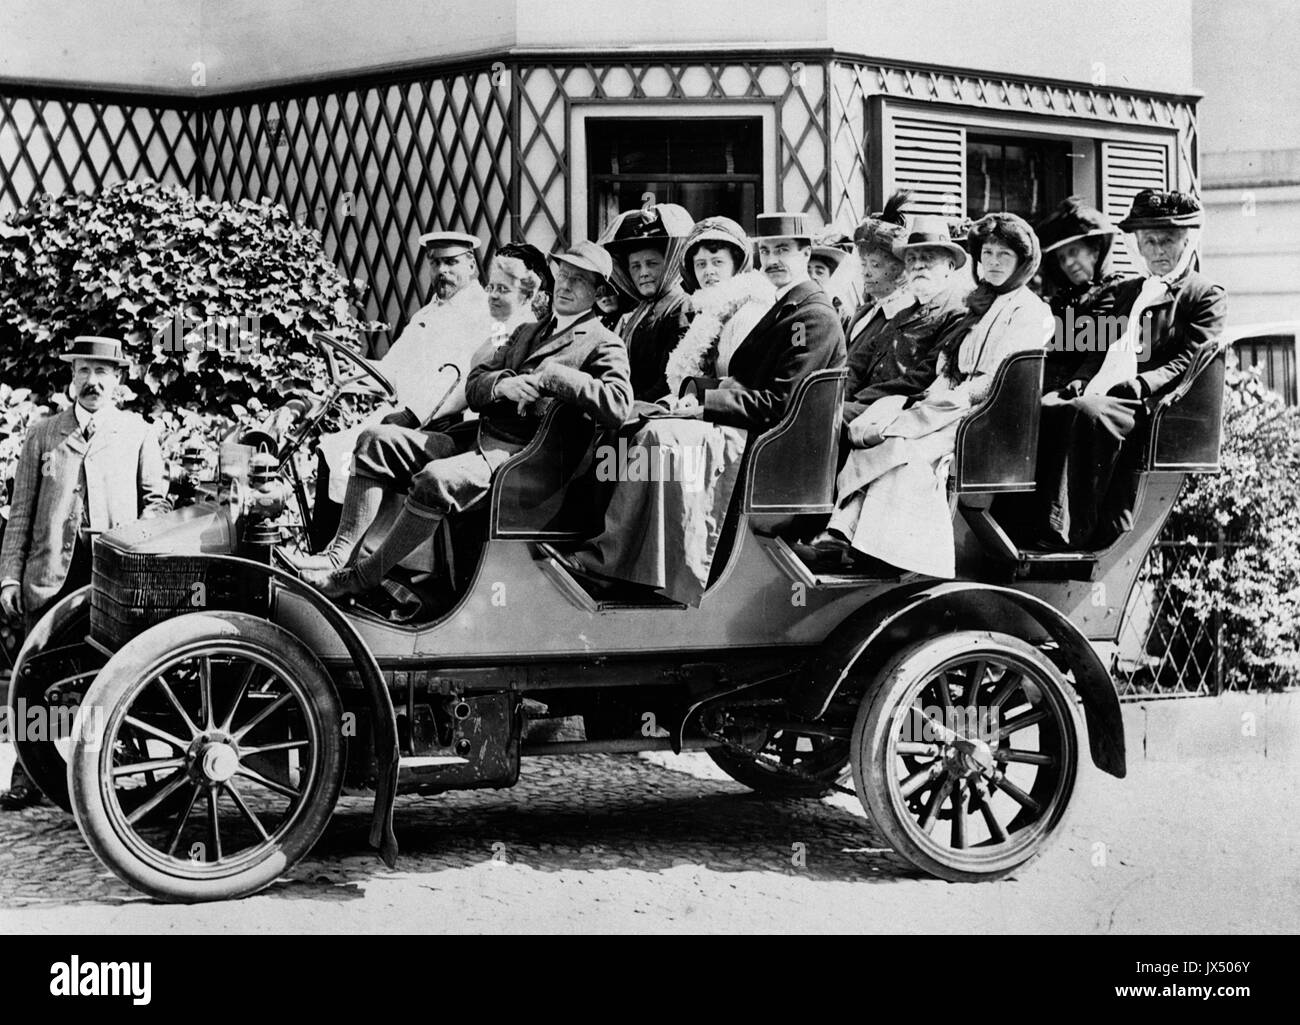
59 145
373 168
797 89
486 149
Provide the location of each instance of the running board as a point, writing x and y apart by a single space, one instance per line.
800 572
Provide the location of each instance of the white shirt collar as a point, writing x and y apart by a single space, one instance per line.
84 416
781 292
564 321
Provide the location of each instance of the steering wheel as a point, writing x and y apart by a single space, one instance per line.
365 368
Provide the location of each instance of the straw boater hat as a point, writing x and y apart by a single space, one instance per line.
108 350
929 232
1153 208
784 225
449 243
589 257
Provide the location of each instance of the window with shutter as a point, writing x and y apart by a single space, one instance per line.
1126 169
928 157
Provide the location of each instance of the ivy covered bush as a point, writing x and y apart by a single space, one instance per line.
214 301
1250 513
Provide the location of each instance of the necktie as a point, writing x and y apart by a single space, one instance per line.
88 431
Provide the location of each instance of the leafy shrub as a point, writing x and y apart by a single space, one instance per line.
1250 576
154 266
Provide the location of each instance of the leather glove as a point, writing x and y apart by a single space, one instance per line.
1133 389
402 418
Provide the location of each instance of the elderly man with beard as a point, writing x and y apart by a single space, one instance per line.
893 337
86 470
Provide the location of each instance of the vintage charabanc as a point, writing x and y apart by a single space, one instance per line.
224 704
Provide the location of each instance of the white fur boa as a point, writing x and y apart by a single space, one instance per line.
711 308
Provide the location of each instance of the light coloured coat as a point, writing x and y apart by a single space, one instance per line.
63 480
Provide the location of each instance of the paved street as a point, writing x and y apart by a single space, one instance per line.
662 844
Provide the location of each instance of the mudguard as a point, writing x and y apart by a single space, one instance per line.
38 641
875 629
387 752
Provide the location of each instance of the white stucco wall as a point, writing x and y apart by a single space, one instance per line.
152 44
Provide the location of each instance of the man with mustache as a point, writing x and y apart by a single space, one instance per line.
570 358
893 338
88 469
449 329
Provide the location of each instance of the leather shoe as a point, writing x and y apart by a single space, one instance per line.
300 561
22 793
334 583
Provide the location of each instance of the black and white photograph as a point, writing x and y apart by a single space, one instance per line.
651 468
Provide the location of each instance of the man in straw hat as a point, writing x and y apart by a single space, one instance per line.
85 470
570 358
893 337
1088 470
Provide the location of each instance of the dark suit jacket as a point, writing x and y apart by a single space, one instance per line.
652 340
1195 313
585 365
898 356
800 334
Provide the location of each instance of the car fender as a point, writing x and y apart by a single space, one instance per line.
874 631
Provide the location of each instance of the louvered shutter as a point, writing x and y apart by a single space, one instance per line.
1126 169
927 156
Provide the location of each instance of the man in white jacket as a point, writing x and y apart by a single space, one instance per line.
444 333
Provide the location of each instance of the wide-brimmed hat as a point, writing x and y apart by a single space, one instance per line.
652 227
830 254
95 347
449 243
784 225
929 232
1072 221
589 257
1154 208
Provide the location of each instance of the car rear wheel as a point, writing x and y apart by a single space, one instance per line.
966 754
208 757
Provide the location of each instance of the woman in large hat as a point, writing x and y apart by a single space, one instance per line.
1078 248
647 247
1090 439
892 502
676 477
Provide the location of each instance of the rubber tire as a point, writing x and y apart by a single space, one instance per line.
874 720
770 784
41 759
138 659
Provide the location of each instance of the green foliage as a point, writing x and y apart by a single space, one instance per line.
139 259
1249 575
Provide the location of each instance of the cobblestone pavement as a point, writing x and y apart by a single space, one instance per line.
659 843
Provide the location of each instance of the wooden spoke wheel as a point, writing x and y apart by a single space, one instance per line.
211 758
966 753
824 757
